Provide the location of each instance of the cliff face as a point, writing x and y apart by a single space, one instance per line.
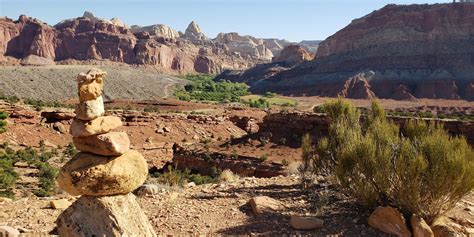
399 52
91 38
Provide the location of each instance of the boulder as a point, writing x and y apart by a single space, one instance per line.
95 175
7 231
264 204
55 116
60 204
59 127
100 125
91 109
305 222
90 84
420 228
107 144
104 216
441 228
389 220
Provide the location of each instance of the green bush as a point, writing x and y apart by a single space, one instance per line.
260 103
424 171
307 157
8 176
269 94
174 177
205 88
3 122
47 176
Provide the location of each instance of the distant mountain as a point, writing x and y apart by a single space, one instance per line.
398 52
32 42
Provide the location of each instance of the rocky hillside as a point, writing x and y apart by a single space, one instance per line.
400 52
28 41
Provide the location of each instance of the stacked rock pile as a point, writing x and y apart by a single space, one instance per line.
105 172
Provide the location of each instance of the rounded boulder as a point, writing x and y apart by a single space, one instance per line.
95 175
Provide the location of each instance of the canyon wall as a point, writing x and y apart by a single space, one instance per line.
399 52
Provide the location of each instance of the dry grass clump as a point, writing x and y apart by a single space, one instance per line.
227 176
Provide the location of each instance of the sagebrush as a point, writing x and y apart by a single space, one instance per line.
422 169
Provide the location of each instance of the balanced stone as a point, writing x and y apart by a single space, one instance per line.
100 125
107 144
95 175
90 84
90 109
104 216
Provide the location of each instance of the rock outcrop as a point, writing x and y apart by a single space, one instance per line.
92 38
406 52
105 172
246 46
194 33
293 54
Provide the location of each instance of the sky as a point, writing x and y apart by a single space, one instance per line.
294 20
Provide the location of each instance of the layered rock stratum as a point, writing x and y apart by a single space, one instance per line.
29 41
399 52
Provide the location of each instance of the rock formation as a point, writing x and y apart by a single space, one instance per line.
246 46
194 33
105 172
293 54
92 38
407 51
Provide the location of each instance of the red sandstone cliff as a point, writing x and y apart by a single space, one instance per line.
87 38
399 51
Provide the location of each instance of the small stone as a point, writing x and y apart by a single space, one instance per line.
108 144
263 204
100 125
9 231
389 220
420 228
60 204
59 127
167 129
90 84
196 137
191 185
91 109
305 223
95 175
147 190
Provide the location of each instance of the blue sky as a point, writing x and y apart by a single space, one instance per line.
294 20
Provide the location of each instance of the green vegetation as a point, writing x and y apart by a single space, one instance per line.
205 88
37 104
46 175
260 103
175 177
424 171
3 122
307 156
271 98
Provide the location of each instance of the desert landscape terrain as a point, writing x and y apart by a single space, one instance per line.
115 130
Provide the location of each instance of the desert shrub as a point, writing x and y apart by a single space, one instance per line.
227 176
175 177
260 103
47 175
264 157
70 150
3 122
8 176
307 157
424 171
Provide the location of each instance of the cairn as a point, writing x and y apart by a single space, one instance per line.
104 173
